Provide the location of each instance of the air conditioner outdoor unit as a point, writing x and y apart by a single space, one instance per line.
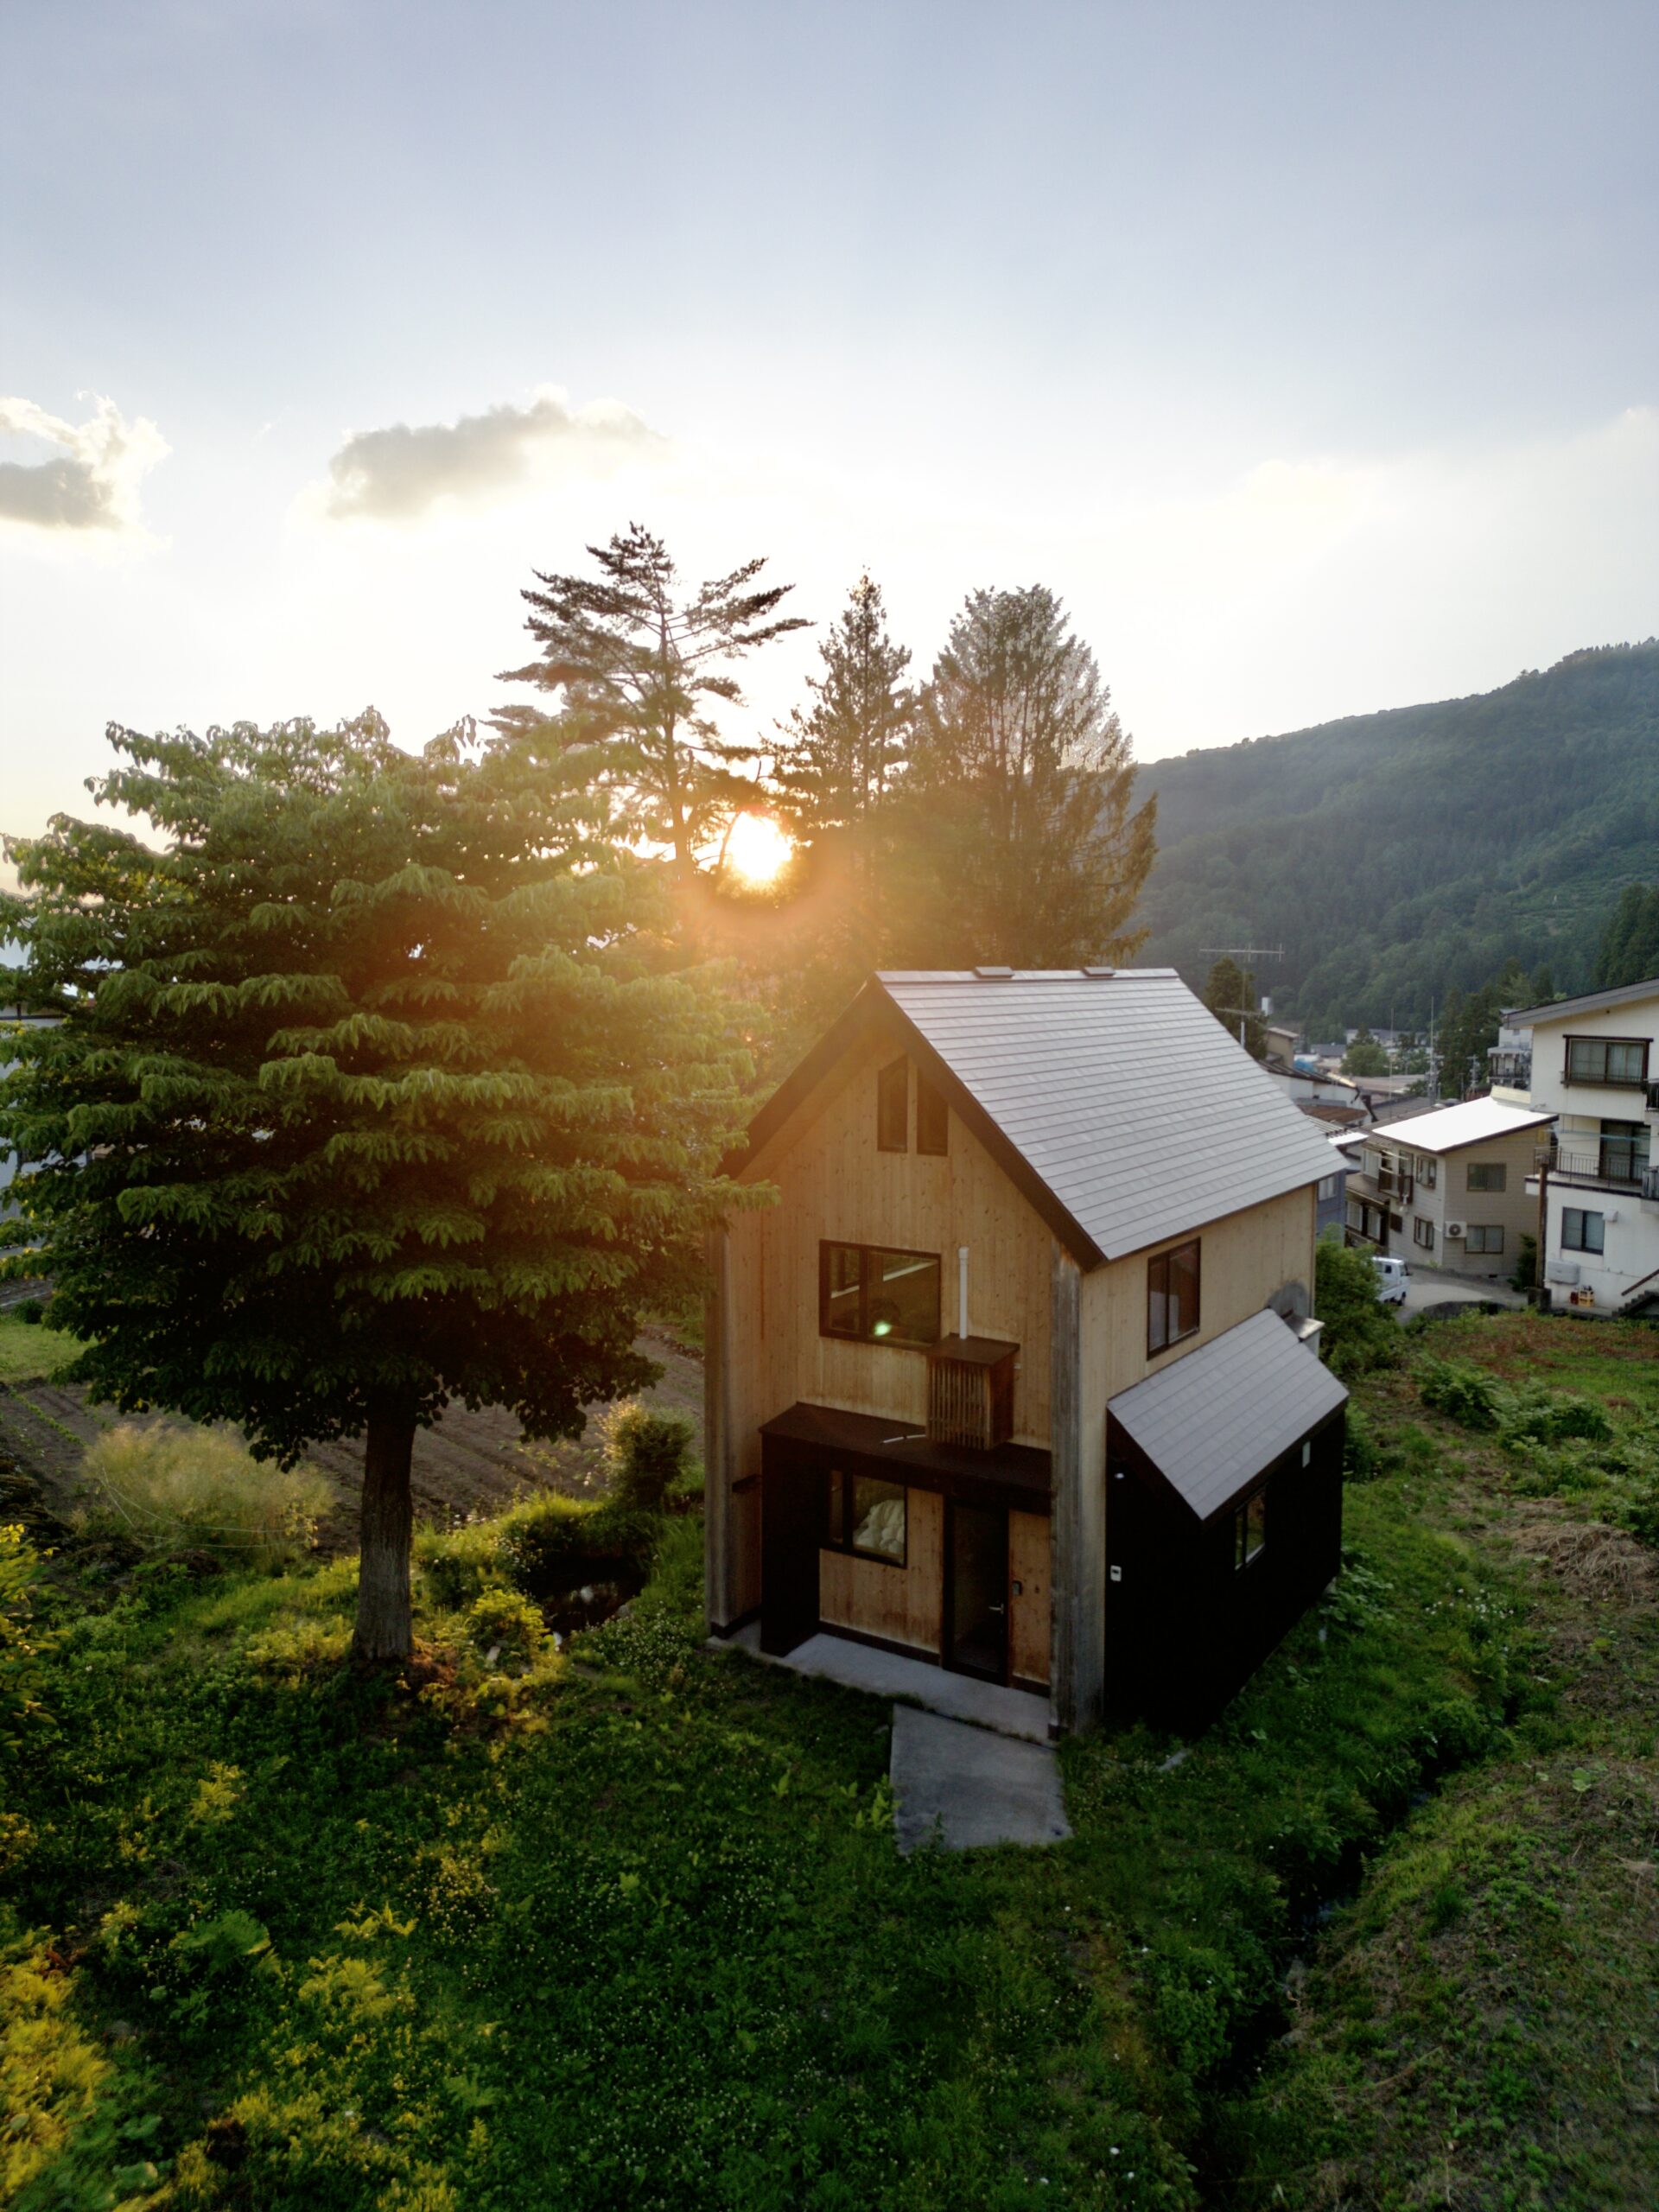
1454 1229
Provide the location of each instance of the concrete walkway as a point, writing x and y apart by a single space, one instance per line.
1428 1286
887 1674
965 1787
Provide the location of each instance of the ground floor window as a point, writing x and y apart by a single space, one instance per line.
1477 1238
1249 1529
864 1514
1422 1232
1582 1232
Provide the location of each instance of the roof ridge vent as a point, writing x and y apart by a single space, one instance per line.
1100 973
994 975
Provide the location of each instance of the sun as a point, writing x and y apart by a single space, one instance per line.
758 850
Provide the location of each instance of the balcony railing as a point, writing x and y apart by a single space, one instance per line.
1614 1165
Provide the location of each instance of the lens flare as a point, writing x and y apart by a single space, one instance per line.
758 850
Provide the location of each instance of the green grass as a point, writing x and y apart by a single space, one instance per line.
29 1351
629 1929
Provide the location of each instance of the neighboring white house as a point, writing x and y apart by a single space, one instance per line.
1595 1068
1449 1188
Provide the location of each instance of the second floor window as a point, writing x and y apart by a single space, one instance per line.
874 1295
1486 1175
1422 1232
893 1107
1606 1059
1171 1296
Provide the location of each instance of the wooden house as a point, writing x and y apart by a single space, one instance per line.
1019 1376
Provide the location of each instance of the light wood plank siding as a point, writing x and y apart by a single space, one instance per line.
1028 1612
902 1605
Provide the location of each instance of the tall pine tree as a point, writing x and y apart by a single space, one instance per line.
641 664
370 1094
839 758
1020 841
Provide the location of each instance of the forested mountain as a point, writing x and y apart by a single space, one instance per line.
1394 855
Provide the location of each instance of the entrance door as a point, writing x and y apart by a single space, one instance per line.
976 1591
790 1516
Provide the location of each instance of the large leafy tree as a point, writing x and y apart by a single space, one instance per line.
645 665
1021 841
370 1094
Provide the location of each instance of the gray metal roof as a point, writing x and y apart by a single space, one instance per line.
1527 1017
1212 1421
1123 1093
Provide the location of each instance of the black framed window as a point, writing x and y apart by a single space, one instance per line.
1582 1232
1486 1175
866 1517
932 1118
1171 1296
1250 1529
876 1295
893 1107
1607 1060
1479 1238
1422 1232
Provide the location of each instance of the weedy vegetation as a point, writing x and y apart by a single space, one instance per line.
592 1916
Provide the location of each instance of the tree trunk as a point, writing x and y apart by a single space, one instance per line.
384 1629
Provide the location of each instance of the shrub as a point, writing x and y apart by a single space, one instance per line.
1468 1395
167 1490
506 1623
1360 1335
1550 1417
457 1565
551 1544
645 1452
1526 1265
32 1310
21 1643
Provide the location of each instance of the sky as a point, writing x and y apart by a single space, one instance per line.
1310 351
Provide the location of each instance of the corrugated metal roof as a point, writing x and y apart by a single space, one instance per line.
1214 1421
1472 1120
1123 1093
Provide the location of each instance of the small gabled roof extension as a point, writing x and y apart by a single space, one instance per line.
1219 1417
1115 1101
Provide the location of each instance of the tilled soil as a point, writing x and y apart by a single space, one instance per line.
467 1466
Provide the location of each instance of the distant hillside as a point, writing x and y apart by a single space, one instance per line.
1393 854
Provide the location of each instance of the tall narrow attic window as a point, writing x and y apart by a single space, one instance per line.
1171 1296
893 1107
932 1118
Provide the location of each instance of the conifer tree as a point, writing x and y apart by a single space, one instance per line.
370 1095
641 665
839 758
1020 843
1230 996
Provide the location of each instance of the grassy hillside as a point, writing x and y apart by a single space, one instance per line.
622 1924
1393 854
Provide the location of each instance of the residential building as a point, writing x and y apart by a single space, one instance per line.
1449 1188
1019 1376
1595 1068
1509 1065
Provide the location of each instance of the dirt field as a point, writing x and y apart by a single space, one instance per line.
468 1464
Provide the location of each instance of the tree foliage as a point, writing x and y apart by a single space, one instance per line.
1364 1056
1020 843
1360 1334
839 758
1395 854
1628 951
371 1094
642 665
1230 995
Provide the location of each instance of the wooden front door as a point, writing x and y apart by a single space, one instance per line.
977 1591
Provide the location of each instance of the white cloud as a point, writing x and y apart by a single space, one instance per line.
398 474
91 484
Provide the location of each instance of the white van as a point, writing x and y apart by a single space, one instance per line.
1391 1276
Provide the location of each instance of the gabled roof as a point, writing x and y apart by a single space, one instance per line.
1115 1100
1216 1419
1473 1120
1524 1017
